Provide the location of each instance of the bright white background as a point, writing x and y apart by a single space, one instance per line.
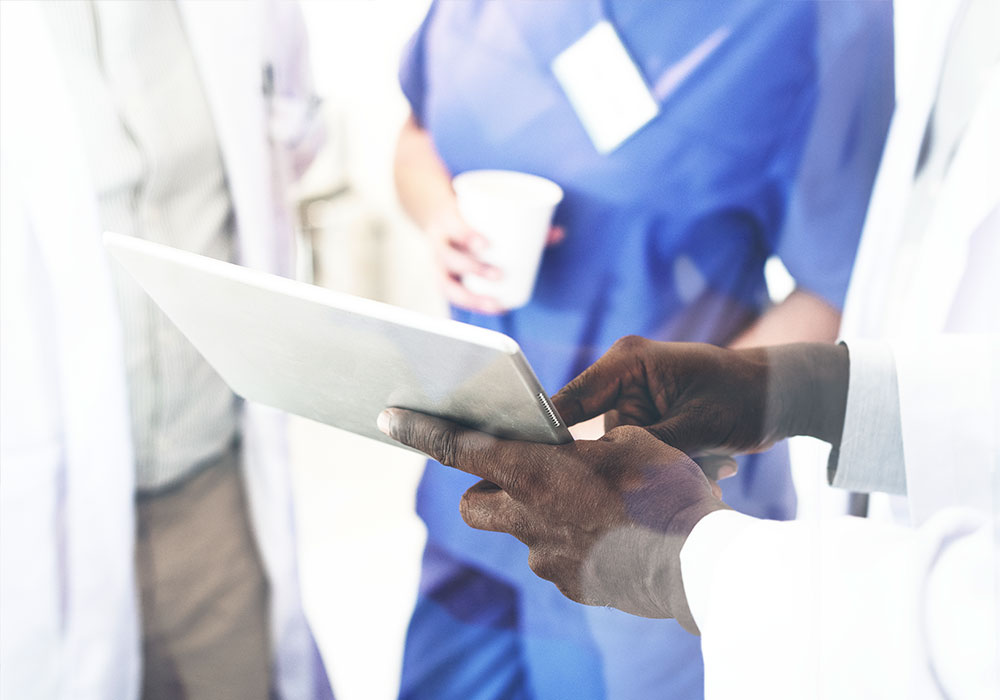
360 540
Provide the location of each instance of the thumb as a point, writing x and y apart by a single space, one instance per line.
592 393
597 389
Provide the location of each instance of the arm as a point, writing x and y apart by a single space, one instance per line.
422 180
709 401
949 413
855 608
712 401
802 317
424 186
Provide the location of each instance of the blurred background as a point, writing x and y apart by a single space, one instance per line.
359 536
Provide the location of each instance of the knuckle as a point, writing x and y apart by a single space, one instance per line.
521 482
630 343
520 529
554 569
627 433
573 594
571 390
442 444
542 564
664 433
521 477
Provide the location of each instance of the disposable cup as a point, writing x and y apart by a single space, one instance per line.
513 211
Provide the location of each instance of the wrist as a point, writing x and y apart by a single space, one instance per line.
440 214
807 390
667 589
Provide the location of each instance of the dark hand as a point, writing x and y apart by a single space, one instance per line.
711 402
604 520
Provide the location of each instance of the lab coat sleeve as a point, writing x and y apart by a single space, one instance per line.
870 454
939 399
845 608
296 116
826 207
949 399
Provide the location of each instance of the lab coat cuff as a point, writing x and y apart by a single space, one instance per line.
700 554
870 455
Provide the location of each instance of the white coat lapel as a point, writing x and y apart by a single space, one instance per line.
228 43
920 40
967 197
921 36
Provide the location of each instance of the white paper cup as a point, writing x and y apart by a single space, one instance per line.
513 211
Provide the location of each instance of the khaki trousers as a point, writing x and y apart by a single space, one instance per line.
203 590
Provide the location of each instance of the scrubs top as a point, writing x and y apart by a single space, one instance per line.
771 121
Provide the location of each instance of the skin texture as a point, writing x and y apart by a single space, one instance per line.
712 402
605 520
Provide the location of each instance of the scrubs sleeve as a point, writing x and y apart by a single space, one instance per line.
827 204
412 68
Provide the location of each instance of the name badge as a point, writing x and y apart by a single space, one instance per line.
604 87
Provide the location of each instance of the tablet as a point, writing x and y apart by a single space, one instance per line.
336 358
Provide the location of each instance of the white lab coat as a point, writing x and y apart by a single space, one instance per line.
951 282
69 625
859 609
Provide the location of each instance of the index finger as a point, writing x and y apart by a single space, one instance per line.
510 464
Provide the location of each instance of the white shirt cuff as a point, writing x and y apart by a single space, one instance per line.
700 553
870 455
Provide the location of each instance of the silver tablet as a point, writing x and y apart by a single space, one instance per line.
336 358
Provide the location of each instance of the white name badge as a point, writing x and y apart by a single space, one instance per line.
605 88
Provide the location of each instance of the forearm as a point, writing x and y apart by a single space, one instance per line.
807 384
802 317
422 180
806 392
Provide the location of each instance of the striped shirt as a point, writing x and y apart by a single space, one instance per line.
158 175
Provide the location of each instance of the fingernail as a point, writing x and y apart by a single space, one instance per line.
493 274
726 472
384 422
478 244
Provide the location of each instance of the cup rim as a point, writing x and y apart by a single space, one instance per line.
547 191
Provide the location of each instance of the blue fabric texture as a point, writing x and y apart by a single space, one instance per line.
768 146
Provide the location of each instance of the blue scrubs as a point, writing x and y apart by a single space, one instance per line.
768 146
